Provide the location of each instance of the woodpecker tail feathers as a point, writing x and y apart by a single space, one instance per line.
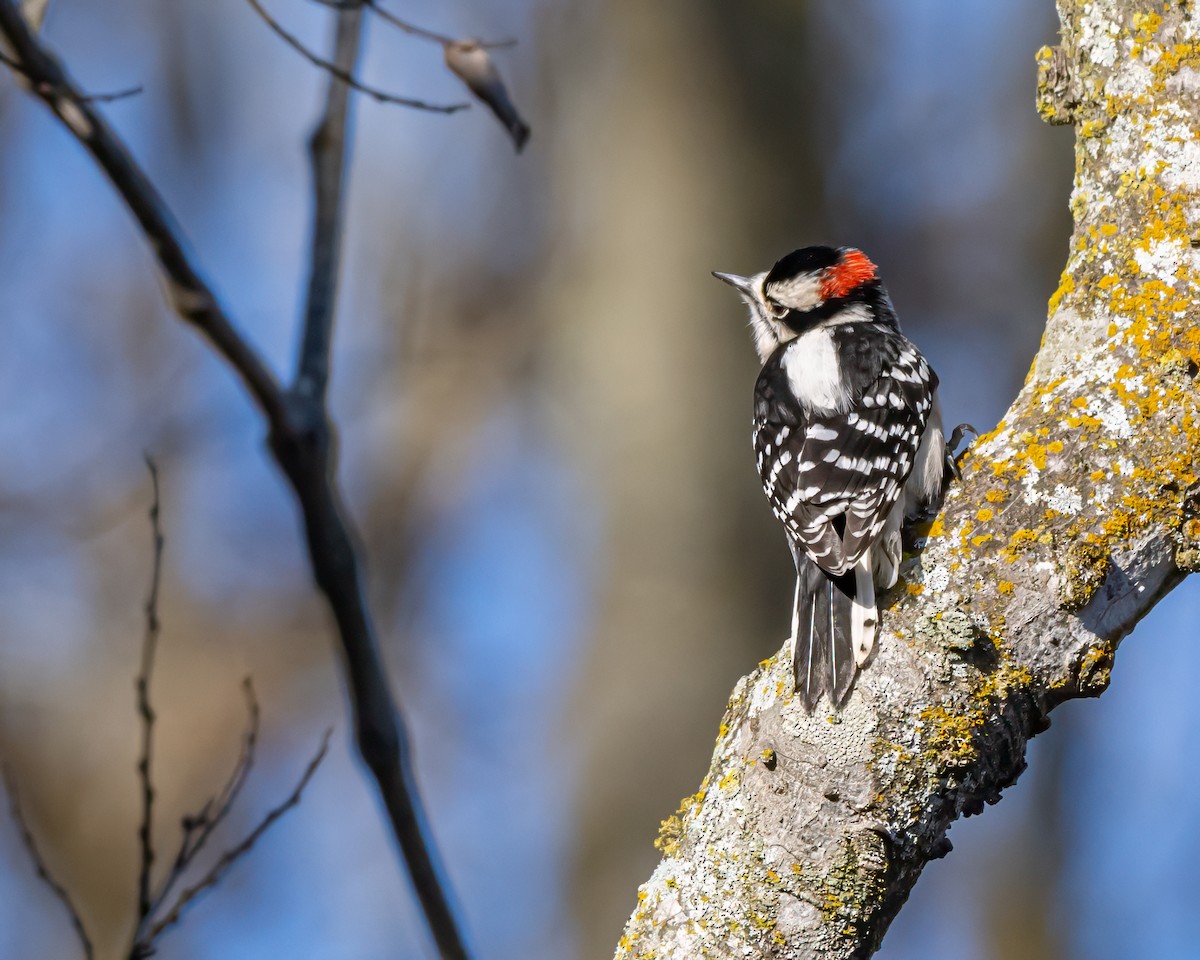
834 622
864 616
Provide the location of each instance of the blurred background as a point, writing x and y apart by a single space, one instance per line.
544 402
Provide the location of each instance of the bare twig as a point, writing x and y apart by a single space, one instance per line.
43 872
310 462
237 779
146 711
303 443
88 98
407 26
467 58
114 96
410 28
348 78
198 828
415 31
327 153
189 896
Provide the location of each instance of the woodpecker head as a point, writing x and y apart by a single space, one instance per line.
808 287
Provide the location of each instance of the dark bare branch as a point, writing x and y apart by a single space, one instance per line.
467 58
189 896
197 828
146 711
114 96
303 443
310 463
403 25
328 154
43 872
237 779
413 30
349 79
187 292
13 65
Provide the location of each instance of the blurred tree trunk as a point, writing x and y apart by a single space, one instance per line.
681 581
1074 516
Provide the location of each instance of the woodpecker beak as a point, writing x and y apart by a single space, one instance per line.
743 285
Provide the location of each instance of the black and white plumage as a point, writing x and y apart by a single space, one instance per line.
848 440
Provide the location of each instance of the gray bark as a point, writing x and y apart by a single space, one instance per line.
1072 518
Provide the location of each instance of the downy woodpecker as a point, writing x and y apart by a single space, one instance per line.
848 438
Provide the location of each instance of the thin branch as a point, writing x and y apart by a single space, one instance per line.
43 872
303 443
199 827
237 779
189 896
146 711
415 31
114 96
348 78
465 57
407 26
411 29
327 152
309 461
14 66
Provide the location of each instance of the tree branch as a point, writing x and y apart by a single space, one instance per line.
43 872
327 152
466 58
346 76
146 712
87 98
413 30
199 827
407 26
303 442
187 292
1073 517
231 856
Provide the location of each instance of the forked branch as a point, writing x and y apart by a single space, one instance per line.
304 445
347 76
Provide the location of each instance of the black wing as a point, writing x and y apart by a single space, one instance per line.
832 479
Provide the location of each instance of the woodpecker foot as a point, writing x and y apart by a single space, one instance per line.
954 460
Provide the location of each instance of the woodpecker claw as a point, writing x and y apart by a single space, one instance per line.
957 434
954 460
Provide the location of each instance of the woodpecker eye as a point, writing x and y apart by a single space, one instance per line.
775 308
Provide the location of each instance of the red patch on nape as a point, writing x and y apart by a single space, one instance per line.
853 269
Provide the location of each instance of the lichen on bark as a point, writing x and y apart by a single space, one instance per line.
1074 515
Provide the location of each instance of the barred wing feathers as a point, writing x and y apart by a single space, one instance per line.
832 478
